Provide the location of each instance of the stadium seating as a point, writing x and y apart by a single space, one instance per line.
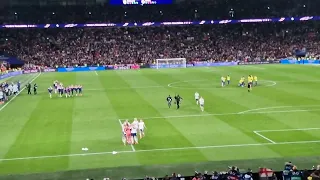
103 46
92 46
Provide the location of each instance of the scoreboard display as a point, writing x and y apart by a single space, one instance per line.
139 2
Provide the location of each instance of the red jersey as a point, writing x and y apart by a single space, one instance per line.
128 131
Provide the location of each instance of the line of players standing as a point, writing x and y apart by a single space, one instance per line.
68 91
8 89
251 79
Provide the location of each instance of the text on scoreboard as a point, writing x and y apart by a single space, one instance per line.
139 2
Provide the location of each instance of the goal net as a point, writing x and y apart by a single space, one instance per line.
171 63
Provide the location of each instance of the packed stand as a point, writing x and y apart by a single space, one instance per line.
289 172
104 46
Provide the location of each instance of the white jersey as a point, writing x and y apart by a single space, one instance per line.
196 95
135 124
10 87
15 88
133 130
141 126
201 101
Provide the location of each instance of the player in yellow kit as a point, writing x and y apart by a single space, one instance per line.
255 79
228 79
241 82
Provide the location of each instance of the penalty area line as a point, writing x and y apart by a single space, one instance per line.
260 135
162 149
132 147
286 130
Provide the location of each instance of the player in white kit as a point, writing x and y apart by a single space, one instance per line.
134 138
135 123
201 102
196 97
15 89
141 128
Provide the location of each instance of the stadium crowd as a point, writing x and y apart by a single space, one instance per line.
104 46
289 172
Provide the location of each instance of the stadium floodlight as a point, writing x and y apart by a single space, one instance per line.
171 63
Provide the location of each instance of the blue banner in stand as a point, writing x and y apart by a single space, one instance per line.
10 74
78 69
302 61
169 23
199 64
216 64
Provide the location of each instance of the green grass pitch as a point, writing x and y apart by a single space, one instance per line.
42 138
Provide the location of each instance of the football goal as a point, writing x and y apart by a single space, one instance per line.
171 63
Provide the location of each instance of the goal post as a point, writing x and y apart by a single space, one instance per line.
171 63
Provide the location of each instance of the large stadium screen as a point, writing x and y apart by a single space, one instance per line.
139 2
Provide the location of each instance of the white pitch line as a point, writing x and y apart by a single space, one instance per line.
226 114
161 149
6 104
132 147
96 73
277 107
286 130
264 137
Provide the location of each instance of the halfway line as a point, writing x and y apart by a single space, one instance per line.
226 114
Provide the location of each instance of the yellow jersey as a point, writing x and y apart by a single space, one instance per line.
255 78
223 79
228 78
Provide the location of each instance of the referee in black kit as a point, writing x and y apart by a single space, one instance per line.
178 100
28 86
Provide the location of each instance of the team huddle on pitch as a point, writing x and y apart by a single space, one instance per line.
130 131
